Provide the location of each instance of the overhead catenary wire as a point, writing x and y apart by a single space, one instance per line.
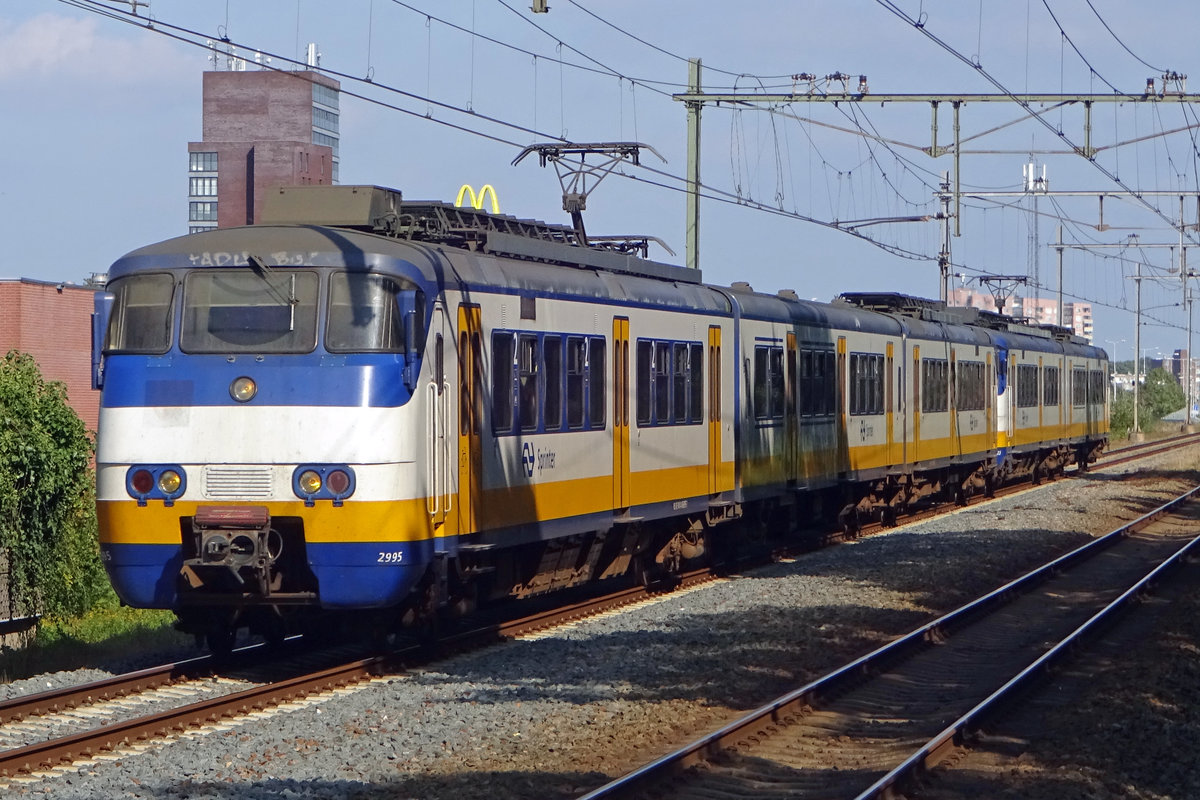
198 39
921 27
666 52
1124 47
472 128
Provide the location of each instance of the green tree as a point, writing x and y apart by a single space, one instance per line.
1120 417
1163 393
47 508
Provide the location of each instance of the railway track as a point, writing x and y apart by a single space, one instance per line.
1145 449
41 732
1112 458
871 728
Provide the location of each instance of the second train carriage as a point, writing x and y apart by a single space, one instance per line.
379 404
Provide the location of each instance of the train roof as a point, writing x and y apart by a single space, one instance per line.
370 227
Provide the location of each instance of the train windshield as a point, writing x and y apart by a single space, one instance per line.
142 314
365 313
238 311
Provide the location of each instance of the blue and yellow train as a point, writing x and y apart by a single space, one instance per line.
373 404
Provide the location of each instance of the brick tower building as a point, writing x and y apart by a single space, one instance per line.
261 129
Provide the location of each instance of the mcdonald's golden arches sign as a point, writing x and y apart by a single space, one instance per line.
477 201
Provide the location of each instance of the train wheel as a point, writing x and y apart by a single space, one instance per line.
848 519
220 641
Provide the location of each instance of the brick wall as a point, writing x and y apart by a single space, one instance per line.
53 323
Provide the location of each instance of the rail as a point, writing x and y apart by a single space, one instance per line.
796 702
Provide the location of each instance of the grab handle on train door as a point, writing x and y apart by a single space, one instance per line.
433 498
446 446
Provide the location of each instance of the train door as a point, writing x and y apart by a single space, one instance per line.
790 419
437 413
1003 397
989 399
889 401
714 409
952 387
843 419
620 361
470 415
916 402
1040 395
903 376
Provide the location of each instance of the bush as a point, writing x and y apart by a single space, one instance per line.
47 506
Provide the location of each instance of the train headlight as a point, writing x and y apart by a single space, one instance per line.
169 481
166 482
243 389
338 482
313 482
309 482
141 481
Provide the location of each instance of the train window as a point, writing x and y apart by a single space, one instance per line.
1027 385
969 394
695 382
547 382
876 383
364 315
768 382
818 388
828 380
762 407
679 381
528 391
669 382
576 375
805 368
866 383
239 311
595 381
1096 390
477 384
1050 382
645 382
778 391
662 382
552 353
935 385
142 314
502 382
1078 386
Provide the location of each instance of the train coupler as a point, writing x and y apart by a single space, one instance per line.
233 548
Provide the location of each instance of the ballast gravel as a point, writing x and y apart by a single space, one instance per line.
560 714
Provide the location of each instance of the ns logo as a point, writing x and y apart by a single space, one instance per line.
528 459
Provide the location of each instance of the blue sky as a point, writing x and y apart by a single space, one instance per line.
98 113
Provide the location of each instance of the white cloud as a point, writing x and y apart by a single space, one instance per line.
53 46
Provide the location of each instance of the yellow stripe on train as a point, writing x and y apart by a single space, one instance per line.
124 522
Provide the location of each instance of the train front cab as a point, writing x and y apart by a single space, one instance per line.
249 459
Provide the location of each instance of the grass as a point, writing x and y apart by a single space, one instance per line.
107 633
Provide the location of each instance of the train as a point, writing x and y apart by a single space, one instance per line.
402 409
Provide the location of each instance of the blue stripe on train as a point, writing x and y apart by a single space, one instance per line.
349 575
362 380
